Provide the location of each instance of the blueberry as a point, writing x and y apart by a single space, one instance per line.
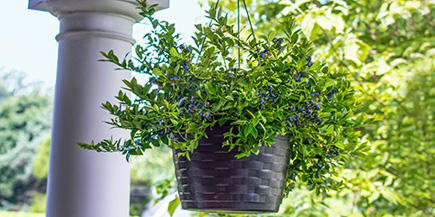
176 77
192 100
318 120
182 46
329 154
171 78
308 58
279 47
205 105
258 93
232 68
160 85
298 79
181 102
295 108
309 117
201 113
298 116
316 115
266 51
154 82
199 106
291 119
207 115
307 111
187 68
317 93
312 93
230 76
261 55
336 148
329 97
187 50
182 109
264 94
189 111
334 91
272 96
307 104
318 107
185 63
179 114
310 64
191 106
261 101
273 100
336 153
280 40
300 110
270 88
274 40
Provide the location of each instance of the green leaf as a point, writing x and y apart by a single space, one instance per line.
173 205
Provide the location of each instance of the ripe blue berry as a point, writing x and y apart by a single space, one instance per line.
232 68
192 100
264 94
318 120
334 91
189 111
181 102
187 50
329 154
182 46
176 77
270 88
318 107
261 101
179 114
273 100
185 63
298 116
261 55
316 115
329 97
191 106
182 109
207 115
309 117
300 110
307 111
280 40
298 79
307 104
187 68
310 64
336 153
230 76
272 96
336 148
312 93
279 47
295 108
201 113
266 51
290 119
308 58
160 85
199 106
274 40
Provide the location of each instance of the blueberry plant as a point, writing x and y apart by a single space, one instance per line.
275 88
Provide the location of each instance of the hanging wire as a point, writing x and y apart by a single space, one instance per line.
238 29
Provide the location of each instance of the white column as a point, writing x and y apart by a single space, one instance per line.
84 183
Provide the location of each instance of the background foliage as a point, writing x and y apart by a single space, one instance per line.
389 48
25 119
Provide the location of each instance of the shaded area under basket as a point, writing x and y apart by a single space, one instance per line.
215 181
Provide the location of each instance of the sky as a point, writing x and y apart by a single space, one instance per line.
27 37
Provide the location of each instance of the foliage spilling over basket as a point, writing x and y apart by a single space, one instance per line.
277 89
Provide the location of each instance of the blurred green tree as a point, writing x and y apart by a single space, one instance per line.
389 49
25 119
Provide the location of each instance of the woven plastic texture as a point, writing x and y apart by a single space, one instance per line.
215 181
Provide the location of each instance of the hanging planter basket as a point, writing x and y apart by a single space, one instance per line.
243 105
214 180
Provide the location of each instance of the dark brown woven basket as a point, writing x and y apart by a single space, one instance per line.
215 181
